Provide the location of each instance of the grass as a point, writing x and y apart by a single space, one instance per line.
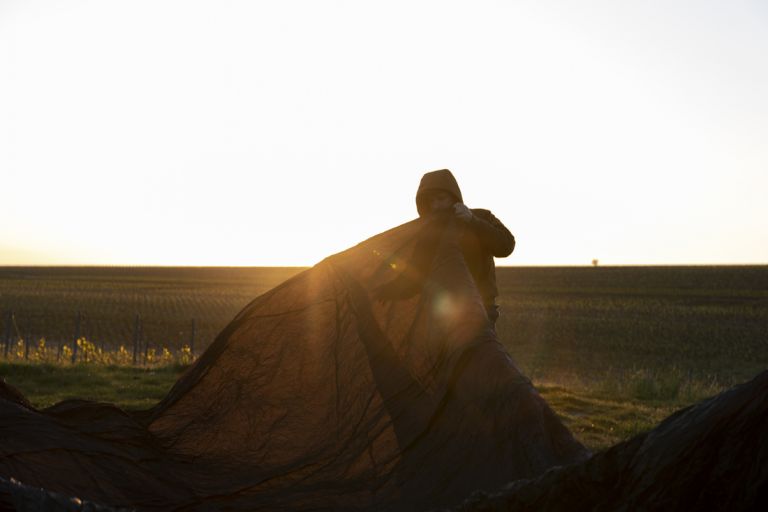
601 413
605 324
131 388
599 421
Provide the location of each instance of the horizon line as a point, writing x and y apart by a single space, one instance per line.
543 265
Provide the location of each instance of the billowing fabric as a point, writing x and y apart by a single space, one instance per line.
372 381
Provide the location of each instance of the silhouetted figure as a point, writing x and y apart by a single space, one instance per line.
486 236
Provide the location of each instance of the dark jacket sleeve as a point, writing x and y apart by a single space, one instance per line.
492 233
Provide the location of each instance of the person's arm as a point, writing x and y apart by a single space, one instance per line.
491 232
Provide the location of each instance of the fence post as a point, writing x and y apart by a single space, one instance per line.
30 338
192 340
27 340
59 346
136 338
77 337
87 337
43 331
8 323
93 329
146 349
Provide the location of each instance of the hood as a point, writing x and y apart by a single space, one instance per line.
436 180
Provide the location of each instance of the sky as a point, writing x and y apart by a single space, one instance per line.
279 132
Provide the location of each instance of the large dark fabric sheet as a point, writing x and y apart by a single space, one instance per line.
371 381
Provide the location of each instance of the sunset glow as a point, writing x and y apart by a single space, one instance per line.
277 133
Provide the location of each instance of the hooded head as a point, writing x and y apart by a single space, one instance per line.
432 181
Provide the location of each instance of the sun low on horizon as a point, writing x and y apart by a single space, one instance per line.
278 133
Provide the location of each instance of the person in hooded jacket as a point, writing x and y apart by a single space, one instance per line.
439 192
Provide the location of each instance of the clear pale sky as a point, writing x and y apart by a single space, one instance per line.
277 133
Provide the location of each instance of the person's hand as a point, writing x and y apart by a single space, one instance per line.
462 213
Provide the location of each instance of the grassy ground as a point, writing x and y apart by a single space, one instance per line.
602 413
600 421
598 416
130 388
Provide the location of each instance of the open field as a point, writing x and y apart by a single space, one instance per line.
559 323
45 302
593 323
613 349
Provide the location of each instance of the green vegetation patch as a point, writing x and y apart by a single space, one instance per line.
600 422
130 388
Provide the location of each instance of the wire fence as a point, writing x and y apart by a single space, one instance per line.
21 341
